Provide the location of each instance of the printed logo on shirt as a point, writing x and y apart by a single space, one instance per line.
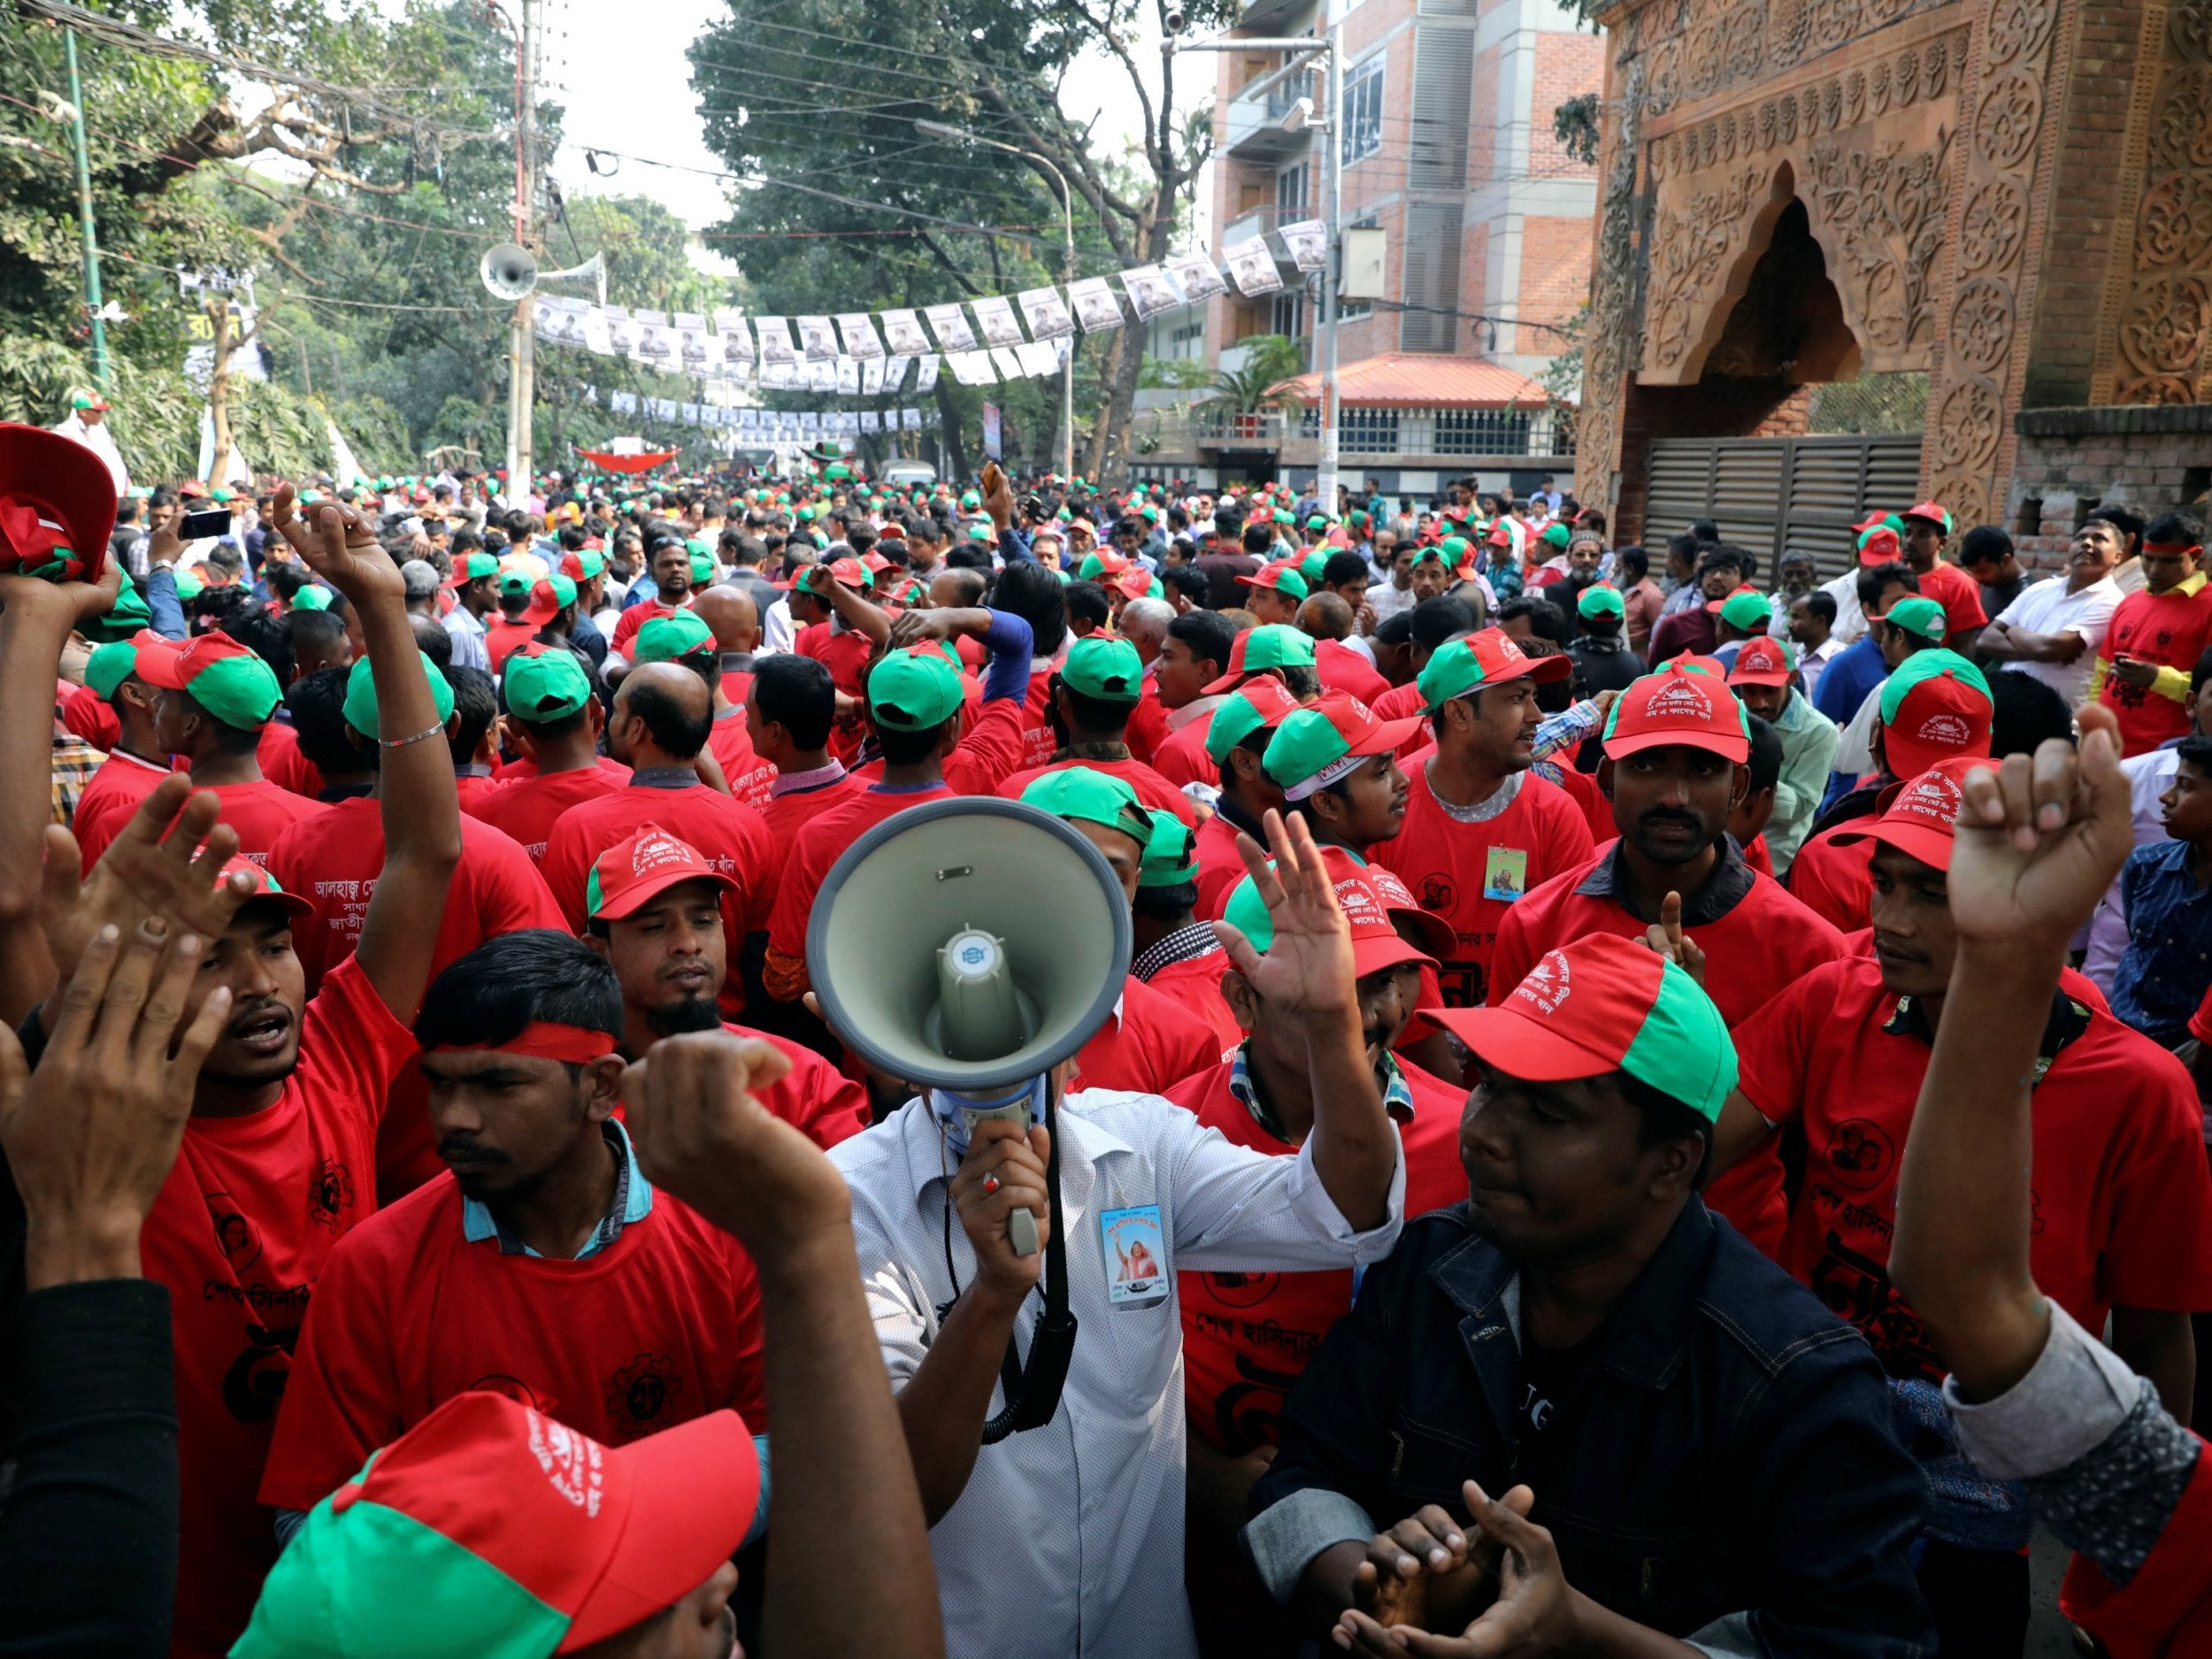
331 1195
1242 1290
1546 985
1249 1412
254 1384
571 1463
234 1234
1946 730
1679 699
1438 895
641 1392
1860 1155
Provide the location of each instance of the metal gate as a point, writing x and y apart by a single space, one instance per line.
1773 495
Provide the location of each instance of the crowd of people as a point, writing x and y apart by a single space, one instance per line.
1655 1107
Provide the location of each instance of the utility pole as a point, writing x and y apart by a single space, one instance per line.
1333 268
522 342
93 303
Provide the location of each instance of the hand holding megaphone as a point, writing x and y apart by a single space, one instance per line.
1003 1174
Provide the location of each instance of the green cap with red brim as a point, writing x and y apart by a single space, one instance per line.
1377 942
1598 600
1936 705
631 871
1483 659
1259 705
488 1531
1283 576
1915 613
1329 740
219 673
915 689
1681 706
1600 1005
360 705
1093 796
664 638
1920 816
1274 645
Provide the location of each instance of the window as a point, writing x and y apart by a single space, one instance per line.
1363 110
1481 432
1288 314
1354 310
1366 430
1290 195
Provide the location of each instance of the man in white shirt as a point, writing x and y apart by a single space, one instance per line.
2052 629
88 425
1068 1538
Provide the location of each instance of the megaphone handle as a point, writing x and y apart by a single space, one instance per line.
1021 1233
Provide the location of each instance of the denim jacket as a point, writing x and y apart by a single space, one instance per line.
1723 1469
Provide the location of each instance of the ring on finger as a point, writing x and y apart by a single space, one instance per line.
990 1184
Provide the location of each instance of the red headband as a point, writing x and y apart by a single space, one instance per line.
2171 547
542 1040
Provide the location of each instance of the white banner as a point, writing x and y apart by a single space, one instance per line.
1096 306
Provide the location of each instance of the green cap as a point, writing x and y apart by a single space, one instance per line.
806 515
541 686
664 638
1317 521
1170 857
222 676
589 561
309 598
1598 600
129 613
701 565
190 586
516 584
1104 668
1747 610
1917 613
915 689
1311 567
979 532
1451 551
970 500
360 705
110 665
1095 798
220 493
474 567
1283 515
1357 516
1256 706
1922 666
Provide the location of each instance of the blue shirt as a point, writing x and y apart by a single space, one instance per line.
633 1202
1850 674
2168 964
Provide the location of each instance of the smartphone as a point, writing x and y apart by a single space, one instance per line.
208 521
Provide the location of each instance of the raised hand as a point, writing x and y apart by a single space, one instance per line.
1665 936
61 606
2039 840
998 494
1309 963
338 545
91 1135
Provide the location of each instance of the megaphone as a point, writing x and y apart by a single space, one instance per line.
968 946
510 272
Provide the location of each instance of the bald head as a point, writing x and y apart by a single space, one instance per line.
731 613
1325 617
663 715
956 589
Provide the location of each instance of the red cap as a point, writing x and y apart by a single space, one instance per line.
1881 547
54 493
849 572
1679 706
266 886
1761 660
631 871
1112 563
1934 511
173 665
545 604
1941 715
1920 817
1135 582
873 560
1427 929
1376 942
193 486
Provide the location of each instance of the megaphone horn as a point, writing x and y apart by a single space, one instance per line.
508 271
595 268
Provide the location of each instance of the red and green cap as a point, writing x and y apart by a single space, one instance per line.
1259 705
631 871
1137 582
113 663
1881 539
471 567
1316 521
56 506
1102 668
1920 816
89 400
543 684
1327 741
915 689
1283 576
1682 705
664 638
216 672
1311 565
360 705
1483 659
1600 1005
583 564
1932 513
549 596
266 886
847 572
1452 552
1598 600
488 1531
1103 563
1093 797
1917 613
1377 942
1170 857
308 598
1936 705
515 583
1275 645
1746 608
1761 660
1557 535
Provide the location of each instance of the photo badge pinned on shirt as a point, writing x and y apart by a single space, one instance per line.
1504 873
1136 1257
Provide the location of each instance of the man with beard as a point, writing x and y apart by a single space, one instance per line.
1334 763
278 1161
670 567
545 1267
1674 768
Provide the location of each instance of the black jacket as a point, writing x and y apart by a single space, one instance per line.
1721 1467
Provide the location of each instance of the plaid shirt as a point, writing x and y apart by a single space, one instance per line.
74 763
1397 1097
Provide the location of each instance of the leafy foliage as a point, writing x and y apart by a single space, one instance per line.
1575 124
1257 385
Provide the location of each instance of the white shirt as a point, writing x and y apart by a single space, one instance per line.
776 632
1810 663
2149 775
2046 607
101 441
1068 1539
1850 621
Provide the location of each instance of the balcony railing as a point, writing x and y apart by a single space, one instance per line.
1252 123
1361 430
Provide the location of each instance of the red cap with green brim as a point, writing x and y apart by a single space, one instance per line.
549 596
1170 857
1275 645
1763 661
474 567
631 871
488 1531
1327 741
117 661
914 689
1934 513
1917 614
1481 660
1920 817
1283 576
1598 600
1600 1005
1139 583
1093 796
219 673
1102 668
541 685
56 506
1376 942
1936 705
360 705
1259 705
1102 564
1879 543
664 638
583 564
1681 706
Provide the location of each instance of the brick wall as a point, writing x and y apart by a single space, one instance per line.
1569 63
1555 274
2067 461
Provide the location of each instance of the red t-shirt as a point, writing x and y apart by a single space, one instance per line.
748 775
823 841
1038 743
1597 811
1195 984
1154 792
814 1097
1958 595
471 788
259 811
1247 1337
844 654
1836 881
122 782
90 716
240 1234
788 814
1150 1045
1147 722
1220 866
2122 1200
1767 941
1343 669
1401 702
2169 629
283 764
524 807
636 617
1180 756
502 639
658 1328
1470 874
993 748
1760 859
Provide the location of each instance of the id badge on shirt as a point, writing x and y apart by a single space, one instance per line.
1136 1257
1504 873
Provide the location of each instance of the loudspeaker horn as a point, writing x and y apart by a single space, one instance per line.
508 271
969 943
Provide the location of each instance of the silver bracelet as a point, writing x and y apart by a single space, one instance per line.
424 735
